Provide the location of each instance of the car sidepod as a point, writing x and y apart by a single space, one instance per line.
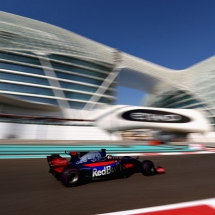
104 169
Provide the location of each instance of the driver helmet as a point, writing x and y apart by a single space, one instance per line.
109 157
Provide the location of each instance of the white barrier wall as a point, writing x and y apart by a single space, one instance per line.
53 132
208 137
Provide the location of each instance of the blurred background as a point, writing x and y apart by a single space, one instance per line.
64 66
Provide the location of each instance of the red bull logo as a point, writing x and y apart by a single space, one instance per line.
105 171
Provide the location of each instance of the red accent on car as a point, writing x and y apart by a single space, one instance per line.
58 164
160 170
59 169
73 153
128 165
99 163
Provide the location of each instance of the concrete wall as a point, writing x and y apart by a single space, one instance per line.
54 132
208 137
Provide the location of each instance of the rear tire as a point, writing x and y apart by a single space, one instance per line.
71 177
148 168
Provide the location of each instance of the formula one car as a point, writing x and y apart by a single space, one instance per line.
91 166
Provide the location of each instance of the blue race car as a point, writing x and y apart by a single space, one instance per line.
91 166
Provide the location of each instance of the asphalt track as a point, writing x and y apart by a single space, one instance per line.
26 187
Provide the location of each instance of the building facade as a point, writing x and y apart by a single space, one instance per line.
48 65
51 76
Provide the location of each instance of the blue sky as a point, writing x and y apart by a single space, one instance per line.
172 33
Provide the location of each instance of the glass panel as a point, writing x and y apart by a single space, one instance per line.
172 100
25 89
197 106
23 78
184 104
80 87
37 99
109 93
191 102
106 101
76 105
77 87
14 57
77 78
72 95
79 62
78 70
20 68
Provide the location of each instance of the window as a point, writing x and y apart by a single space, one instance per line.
80 96
19 58
37 99
77 105
23 78
79 62
25 89
21 68
78 70
106 100
73 86
77 78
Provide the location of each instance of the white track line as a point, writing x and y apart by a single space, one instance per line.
208 202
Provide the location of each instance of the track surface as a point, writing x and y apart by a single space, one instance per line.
26 187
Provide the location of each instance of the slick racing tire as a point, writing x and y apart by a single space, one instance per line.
71 177
148 168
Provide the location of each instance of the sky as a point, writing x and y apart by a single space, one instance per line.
173 33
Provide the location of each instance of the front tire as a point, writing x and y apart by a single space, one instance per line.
148 168
71 177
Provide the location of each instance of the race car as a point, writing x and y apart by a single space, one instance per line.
84 167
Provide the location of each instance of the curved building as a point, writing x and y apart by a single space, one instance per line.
193 88
49 65
49 71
